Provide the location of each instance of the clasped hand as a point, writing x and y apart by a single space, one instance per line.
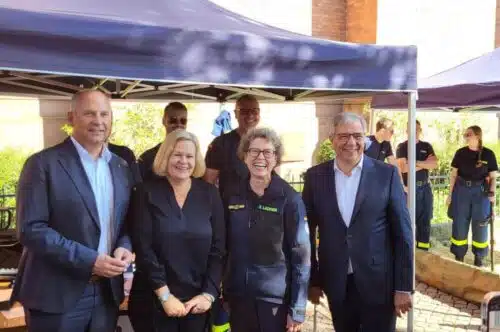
109 267
173 307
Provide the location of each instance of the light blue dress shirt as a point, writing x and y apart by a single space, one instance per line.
99 176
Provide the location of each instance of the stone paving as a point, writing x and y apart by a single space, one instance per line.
434 311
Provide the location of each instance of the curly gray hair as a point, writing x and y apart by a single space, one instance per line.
266 133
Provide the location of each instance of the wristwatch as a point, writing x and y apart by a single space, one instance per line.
164 296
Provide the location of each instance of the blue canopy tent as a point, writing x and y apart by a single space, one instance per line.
472 85
187 49
172 49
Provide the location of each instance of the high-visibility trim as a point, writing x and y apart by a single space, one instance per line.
423 245
480 245
220 328
459 242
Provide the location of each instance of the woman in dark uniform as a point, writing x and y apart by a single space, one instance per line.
472 188
268 243
179 238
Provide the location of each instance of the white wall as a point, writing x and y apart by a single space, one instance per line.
447 32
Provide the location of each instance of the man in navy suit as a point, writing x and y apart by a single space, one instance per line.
365 256
71 204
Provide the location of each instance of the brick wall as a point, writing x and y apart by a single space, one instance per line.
329 19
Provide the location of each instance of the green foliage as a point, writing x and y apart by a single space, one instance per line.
10 168
67 129
140 127
325 152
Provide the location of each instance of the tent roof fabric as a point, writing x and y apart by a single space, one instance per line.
182 41
472 83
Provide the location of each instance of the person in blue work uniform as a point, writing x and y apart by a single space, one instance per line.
223 165
425 160
174 117
268 268
472 190
179 237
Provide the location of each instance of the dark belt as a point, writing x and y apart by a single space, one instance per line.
471 183
95 279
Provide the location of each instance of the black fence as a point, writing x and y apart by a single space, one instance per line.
439 183
440 189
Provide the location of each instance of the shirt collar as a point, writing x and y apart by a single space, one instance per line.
356 168
83 153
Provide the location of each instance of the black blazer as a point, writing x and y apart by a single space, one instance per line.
181 248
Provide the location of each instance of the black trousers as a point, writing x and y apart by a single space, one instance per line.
249 315
96 311
353 315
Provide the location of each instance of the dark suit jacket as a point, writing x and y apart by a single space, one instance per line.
128 155
58 226
146 161
379 240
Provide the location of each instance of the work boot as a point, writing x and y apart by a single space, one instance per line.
478 261
459 258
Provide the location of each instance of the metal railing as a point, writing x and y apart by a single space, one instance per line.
440 184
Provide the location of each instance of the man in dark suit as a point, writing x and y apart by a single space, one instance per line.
174 117
71 204
365 257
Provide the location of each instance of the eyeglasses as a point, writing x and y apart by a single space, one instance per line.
249 111
268 154
175 120
358 137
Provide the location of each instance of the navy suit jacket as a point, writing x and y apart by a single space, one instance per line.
58 226
379 240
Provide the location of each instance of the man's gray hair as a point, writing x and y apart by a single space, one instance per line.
348 117
266 133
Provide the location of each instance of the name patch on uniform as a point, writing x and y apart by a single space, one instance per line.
267 208
236 206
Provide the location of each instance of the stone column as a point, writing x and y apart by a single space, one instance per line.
54 114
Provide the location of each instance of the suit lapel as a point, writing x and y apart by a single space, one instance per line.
70 161
364 184
331 191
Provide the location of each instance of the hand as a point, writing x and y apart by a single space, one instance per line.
173 307
315 293
402 303
492 199
198 304
124 255
448 200
108 267
291 325
405 188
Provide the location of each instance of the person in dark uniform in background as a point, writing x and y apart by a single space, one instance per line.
425 160
268 245
378 146
180 240
174 117
472 190
223 164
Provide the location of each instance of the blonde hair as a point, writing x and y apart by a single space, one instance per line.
160 164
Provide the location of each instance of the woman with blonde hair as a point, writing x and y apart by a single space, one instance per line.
179 239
